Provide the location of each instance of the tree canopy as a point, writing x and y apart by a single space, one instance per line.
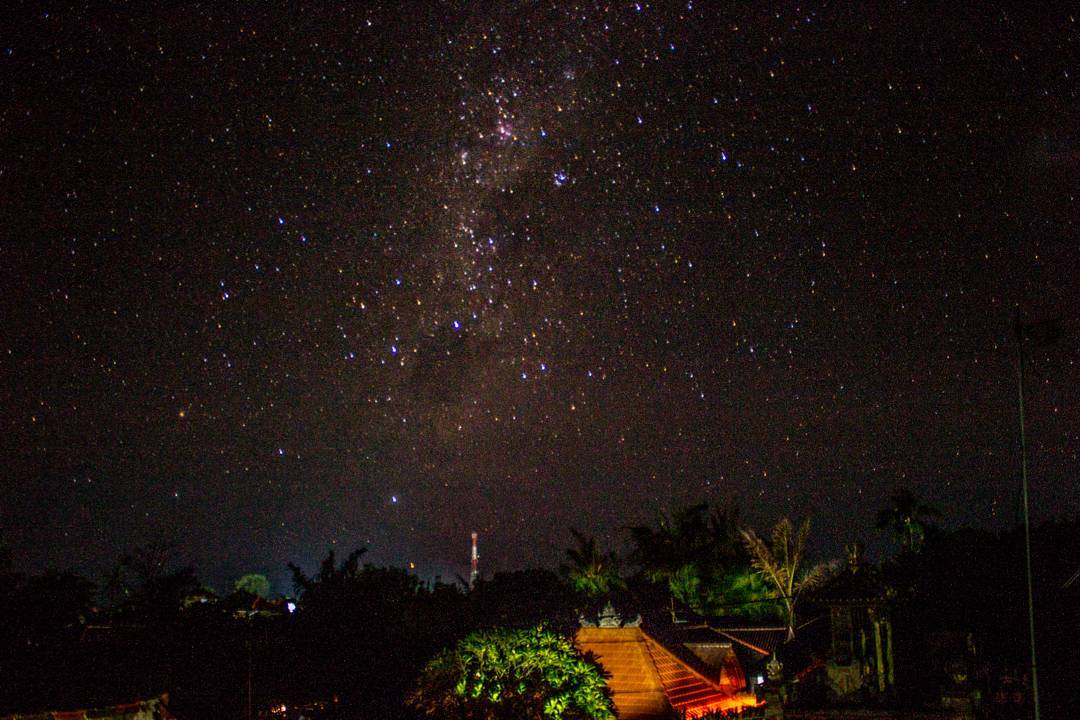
695 552
501 674
255 584
588 570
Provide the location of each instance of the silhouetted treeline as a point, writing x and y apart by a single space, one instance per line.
358 634
972 582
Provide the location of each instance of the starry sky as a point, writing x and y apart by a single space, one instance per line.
279 279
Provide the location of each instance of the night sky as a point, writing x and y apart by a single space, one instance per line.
276 280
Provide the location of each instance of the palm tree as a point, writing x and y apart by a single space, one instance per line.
589 571
690 550
330 579
698 536
779 565
908 517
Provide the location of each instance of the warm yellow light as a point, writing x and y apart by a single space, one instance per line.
735 702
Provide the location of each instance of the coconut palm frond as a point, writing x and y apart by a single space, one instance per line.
781 540
815 577
779 564
800 541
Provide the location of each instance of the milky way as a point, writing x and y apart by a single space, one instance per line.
278 280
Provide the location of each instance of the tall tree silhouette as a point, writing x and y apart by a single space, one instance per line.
689 550
588 570
908 517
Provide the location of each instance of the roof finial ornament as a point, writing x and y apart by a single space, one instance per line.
774 667
854 551
609 616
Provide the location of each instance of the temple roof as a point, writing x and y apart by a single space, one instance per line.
666 665
634 681
855 585
761 641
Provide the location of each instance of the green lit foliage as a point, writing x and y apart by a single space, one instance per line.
740 592
684 583
503 674
588 571
690 551
744 593
254 584
780 565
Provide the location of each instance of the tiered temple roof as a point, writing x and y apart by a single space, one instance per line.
691 669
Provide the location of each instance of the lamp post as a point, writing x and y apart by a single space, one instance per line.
1027 519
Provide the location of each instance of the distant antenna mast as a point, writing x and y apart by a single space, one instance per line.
474 571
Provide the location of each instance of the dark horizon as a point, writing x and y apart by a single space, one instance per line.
281 281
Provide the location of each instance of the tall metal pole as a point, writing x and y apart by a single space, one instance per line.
250 678
474 563
1027 519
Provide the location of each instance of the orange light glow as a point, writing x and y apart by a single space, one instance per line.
727 704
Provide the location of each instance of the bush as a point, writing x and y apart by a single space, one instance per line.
531 674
